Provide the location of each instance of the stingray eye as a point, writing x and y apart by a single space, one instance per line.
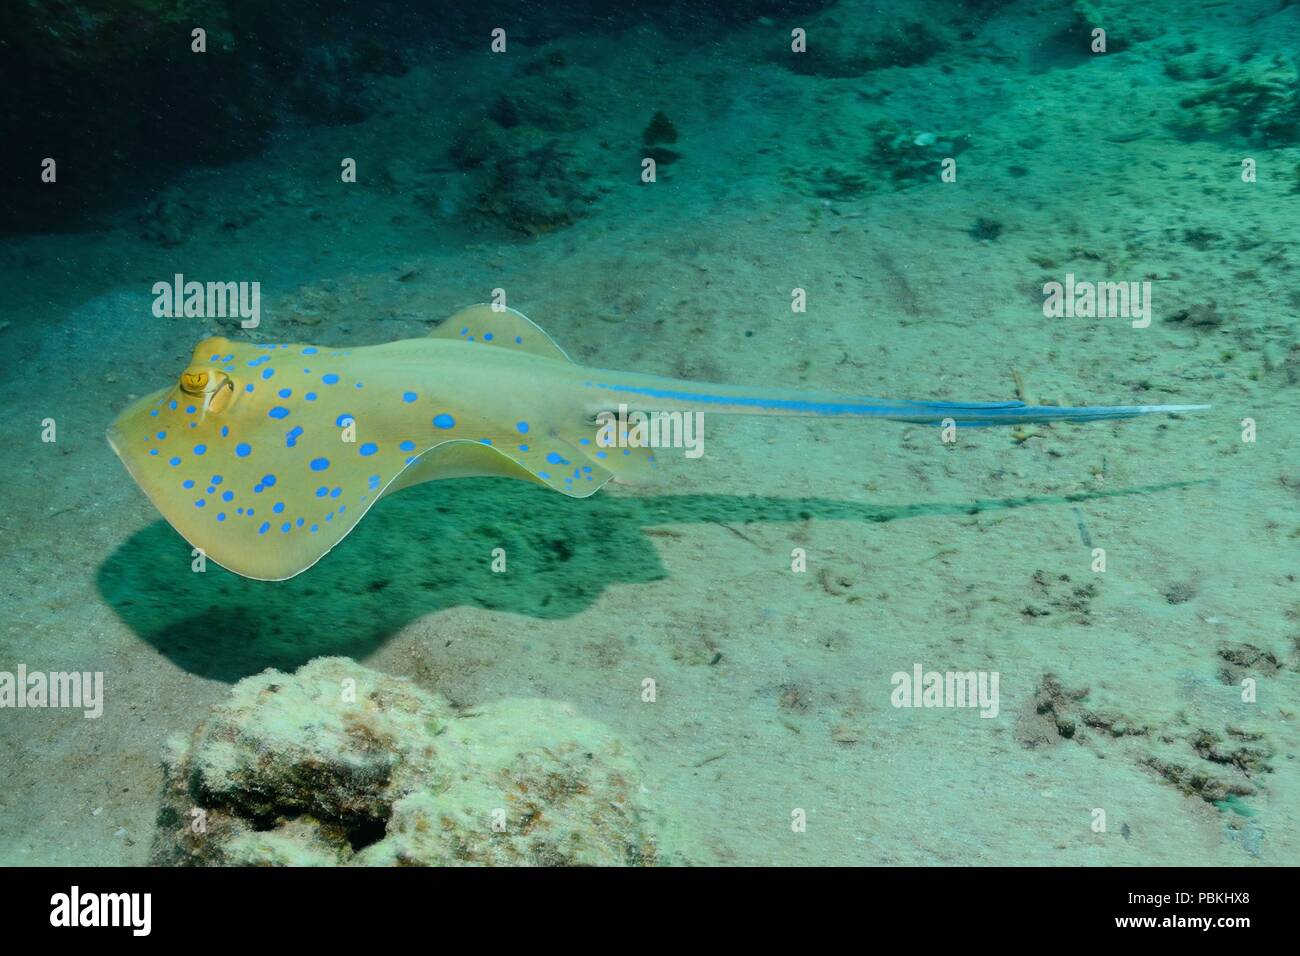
222 396
194 381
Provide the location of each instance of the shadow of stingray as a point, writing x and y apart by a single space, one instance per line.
430 548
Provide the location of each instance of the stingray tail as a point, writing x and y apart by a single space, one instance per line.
650 393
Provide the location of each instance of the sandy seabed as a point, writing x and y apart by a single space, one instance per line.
1120 690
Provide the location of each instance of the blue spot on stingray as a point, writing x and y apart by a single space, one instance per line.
227 496
243 449
343 419
291 438
319 464
153 413
485 441
212 489
200 503
342 508
172 404
465 331
523 427
368 449
162 435
279 412
174 462
409 459
409 396
250 512
225 430
217 479
487 336
586 467
555 458
523 448
268 480
299 522
322 491
329 378
359 385
258 488
543 474
315 528
407 446
267 373
153 451
278 507
374 481
584 441
330 516
444 421
200 449
602 454
309 351
310 396
519 340
285 527
190 409
259 360
285 392
627 451
187 483
336 492
221 516
248 387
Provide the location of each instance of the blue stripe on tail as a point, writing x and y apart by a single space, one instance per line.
918 412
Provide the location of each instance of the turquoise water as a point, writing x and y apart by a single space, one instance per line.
821 641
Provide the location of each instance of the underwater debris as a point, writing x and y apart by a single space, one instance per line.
521 176
1061 595
1244 660
536 191
1203 317
1200 762
659 130
1260 101
985 230
1124 24
547 95
894 35
340 764
1207 65
847 162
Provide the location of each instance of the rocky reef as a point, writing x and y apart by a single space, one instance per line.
522 174
1259 101
842 43
338 764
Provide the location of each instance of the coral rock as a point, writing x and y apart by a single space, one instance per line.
339 764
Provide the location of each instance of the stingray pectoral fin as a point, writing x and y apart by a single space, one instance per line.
257 513
507 328
459 459
566 471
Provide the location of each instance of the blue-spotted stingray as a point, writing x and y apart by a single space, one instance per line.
266 456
